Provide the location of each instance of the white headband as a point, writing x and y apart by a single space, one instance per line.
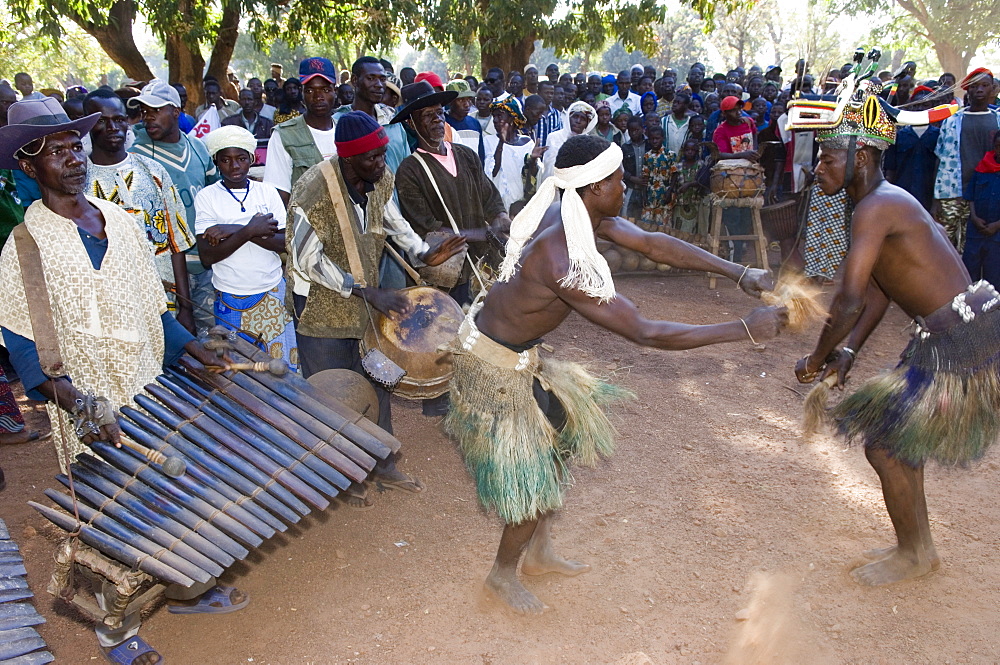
588 271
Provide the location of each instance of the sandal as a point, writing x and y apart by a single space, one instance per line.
131 650
217 600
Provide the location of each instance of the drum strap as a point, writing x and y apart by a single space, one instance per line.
36 293
345 218
447 211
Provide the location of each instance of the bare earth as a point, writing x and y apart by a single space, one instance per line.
716 535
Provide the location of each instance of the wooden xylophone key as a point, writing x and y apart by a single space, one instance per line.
239 473
259 435
212 438
178 543
113 547
201 475
137 539
167 505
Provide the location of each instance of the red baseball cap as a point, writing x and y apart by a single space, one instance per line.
431 78
729 103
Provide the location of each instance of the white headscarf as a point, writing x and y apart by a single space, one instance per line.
229 136
583 107
588 271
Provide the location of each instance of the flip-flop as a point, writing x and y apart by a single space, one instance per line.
363 500
217 600
409 484
129 651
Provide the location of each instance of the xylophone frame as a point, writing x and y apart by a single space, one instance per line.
125 590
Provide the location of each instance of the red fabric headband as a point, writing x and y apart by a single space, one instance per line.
363 144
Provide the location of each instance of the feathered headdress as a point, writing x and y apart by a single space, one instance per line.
859 111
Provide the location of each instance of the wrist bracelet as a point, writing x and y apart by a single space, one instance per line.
747 328
745 268
851 352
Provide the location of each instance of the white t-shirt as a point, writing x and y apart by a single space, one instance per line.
278 170
251 269
632 101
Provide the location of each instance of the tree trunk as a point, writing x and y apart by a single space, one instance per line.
897 59
952 59
184 60
115 38
222 52
510 57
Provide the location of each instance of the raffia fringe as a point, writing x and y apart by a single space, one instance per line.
518 460
952 417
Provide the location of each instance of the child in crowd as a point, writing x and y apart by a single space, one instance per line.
982 240
658 167
689 214
632 159
620 119
604 127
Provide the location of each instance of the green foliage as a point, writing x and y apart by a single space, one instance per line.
572 28
956 29
78 60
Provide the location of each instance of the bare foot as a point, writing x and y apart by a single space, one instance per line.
510 590
24 436
549 562
893 568
885 552
358 497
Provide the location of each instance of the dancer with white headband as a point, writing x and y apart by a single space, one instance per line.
521 419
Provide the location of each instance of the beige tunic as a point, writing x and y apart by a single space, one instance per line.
107 321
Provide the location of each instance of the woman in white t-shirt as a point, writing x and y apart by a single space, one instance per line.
240 225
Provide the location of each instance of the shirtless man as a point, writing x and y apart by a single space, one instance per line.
899 254
520 419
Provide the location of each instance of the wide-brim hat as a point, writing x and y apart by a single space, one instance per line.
30 119
418 96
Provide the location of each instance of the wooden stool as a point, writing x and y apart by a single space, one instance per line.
716 234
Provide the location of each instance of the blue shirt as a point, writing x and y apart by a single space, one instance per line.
24 353
915 165
984 192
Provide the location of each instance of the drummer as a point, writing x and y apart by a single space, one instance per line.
331 297
736 138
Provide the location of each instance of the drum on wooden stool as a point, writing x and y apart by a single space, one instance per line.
737 179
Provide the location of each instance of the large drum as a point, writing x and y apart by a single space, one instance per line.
412 342
737 179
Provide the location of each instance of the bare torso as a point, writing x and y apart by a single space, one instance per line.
916 266
528 305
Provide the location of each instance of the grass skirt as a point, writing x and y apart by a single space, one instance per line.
942 402
518 460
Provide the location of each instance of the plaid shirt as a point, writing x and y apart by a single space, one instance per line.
550 122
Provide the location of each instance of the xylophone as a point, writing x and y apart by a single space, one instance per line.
259 452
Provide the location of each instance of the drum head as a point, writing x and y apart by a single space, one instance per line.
349 388
413 341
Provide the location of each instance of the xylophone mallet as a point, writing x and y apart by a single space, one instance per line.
171 466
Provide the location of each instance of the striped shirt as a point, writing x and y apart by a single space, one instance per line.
550 122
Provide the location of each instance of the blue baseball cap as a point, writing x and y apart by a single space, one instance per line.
312 67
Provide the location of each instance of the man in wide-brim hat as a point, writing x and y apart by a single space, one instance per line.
466 194
107 306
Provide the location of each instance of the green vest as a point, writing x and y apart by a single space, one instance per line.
327 313
298 143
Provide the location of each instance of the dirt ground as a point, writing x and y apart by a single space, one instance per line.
716 535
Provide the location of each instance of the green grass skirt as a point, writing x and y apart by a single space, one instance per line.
518 460
941 403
